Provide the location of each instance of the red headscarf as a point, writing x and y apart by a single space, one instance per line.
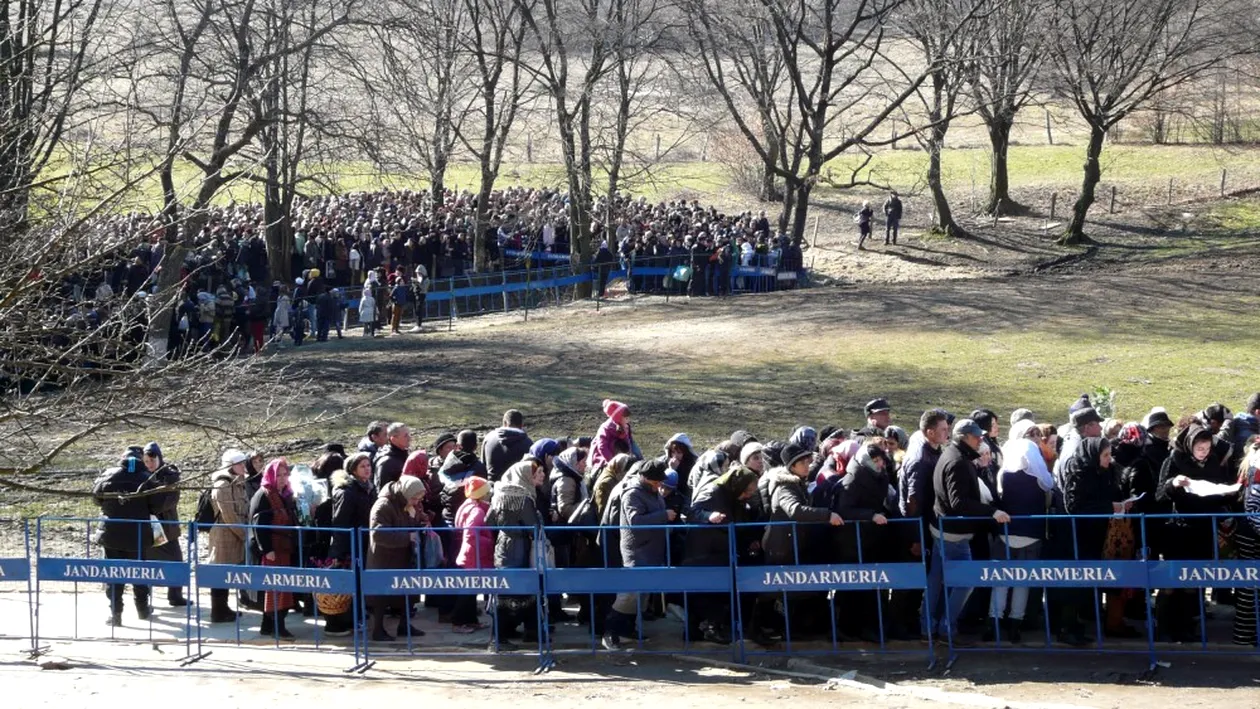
417 465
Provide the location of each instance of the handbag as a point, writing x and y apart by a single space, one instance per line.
682 273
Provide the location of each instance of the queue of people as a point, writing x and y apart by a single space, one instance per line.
470 502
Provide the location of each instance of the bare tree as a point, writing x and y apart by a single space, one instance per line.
1111 59
212 66
831 53
933 28
577 44
414 75
1003 74
741 59
48 52
494 42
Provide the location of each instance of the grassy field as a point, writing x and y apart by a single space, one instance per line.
773 362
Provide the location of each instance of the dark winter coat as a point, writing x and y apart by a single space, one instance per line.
352 502
389 549
1191 537
388 466
261 514
128 479
1089 489
503 448
643 507
708 544
787 503
166 504
957 490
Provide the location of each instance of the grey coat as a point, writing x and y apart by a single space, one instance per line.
642 506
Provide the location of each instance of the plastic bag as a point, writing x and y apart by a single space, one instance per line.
159 534
434 556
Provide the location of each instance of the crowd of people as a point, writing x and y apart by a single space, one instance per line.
602 501
368 244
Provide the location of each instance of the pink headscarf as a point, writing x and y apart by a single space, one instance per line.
269 477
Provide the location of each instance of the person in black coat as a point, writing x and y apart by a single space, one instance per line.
717 509
861 497
956 485
164 476
124 539
390 460
352 500
1090 487
505 446
1193 459
271 511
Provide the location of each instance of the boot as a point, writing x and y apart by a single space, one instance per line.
143 609
219 610
114 620
401 632
175 597
1012 630
281 631
378 626
268 627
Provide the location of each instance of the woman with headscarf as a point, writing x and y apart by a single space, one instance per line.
709 467
861 496
1090 487
514 511
1191 538
717 509
272 509
1024 485
607 478
566 492
392 545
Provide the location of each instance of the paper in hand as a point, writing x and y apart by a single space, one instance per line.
1203 488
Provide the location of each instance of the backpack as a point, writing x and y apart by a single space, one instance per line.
205 311
205 511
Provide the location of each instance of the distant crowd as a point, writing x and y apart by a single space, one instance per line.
371 243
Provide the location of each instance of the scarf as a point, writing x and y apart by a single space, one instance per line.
515 488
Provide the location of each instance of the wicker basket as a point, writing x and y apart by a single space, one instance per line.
333 603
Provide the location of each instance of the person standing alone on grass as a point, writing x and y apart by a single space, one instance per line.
863 219
892 218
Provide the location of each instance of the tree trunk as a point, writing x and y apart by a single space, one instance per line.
1075 233
800 211
944 214
482 221
278 256
999 174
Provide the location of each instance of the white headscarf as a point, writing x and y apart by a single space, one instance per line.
1022 455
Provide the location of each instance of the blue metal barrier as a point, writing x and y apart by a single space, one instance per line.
857 576
18 570
856 580
296 577
123 568
448 580
711 582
